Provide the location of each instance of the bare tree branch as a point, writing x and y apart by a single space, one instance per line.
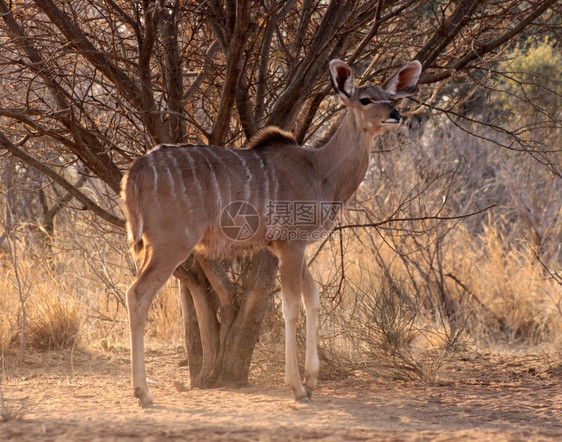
480 49
416 218
88 203
233 69
447 32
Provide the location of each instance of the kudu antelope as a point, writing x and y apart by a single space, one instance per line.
177 198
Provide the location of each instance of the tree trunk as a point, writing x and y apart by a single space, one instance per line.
222 320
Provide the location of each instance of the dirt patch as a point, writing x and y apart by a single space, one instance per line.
509 397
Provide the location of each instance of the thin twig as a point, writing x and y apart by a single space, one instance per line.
419 218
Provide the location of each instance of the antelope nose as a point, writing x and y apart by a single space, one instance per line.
395 115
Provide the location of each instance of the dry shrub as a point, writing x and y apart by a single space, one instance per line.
511 297
382 322
53 323
41 307
402 322
13 409
164 323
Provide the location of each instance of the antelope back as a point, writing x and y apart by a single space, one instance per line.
223 197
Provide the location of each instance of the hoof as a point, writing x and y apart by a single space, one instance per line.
144 397
303 400
308 391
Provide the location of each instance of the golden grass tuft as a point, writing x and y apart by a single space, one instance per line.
521 301
12 409
53 324
42 309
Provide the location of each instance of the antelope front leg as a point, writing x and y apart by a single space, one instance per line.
312 305
291 262
291 304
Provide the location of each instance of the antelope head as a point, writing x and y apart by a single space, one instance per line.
373 105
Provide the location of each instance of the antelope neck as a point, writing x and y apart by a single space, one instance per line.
344 158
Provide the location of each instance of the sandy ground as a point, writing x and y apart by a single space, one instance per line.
481 397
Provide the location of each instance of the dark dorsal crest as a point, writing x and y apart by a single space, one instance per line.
269 136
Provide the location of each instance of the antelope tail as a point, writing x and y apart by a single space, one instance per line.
130 197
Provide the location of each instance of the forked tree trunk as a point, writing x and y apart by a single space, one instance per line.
222 320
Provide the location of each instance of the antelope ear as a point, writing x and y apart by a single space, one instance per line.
342 79
405 80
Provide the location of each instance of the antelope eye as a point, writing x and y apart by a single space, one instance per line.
365 101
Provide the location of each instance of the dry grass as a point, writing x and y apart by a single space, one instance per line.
387 319
76 298
11 409
41 308
513 299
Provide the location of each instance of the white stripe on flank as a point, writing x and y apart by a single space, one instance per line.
152 165
214 180
193 168
229 185
248 172
245 181
265 180
178 172
169 174
177 168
